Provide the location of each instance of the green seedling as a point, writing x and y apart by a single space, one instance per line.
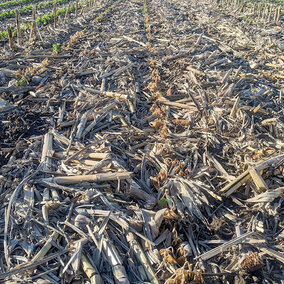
23 81
3 34
56 48
163 202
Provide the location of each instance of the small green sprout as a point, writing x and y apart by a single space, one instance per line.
56 48
163 202
22 82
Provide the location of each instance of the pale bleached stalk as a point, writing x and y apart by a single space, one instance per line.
97 118
111 255
75 258
235 107
82 124
101 177
97 155
31 265
63 139
101 164
267 196
231 187
86 162
277 254
44 250
118 270
49 205
108 94
90 270
213 252
46 149
258 180
141 257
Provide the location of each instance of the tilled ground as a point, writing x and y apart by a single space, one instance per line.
149 149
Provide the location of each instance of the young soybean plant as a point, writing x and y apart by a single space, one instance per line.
56 48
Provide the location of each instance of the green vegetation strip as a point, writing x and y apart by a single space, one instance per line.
43 20
47 18
28 9
16 3
145 10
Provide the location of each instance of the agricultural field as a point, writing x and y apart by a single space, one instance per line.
141 141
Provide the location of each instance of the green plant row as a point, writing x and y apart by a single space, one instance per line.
16 3
145 10
43 20
27 9
47 18
145 14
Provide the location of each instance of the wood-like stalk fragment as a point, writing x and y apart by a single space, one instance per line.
97 155
101 164
235 107
258 180
118 270
190 106
63 139
76 8
108 94
47 147
18 27
10 37
101 177
231 187
31 265
271 252
277 15
44 250
221 248
267 196
138 193
86 162
54 14
49 205
141 257
33 25
193 70
234 185
82 124
90 270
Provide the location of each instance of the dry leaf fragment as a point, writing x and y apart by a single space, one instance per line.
168 255
163 132
185 275
157 123
163 175
181 122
